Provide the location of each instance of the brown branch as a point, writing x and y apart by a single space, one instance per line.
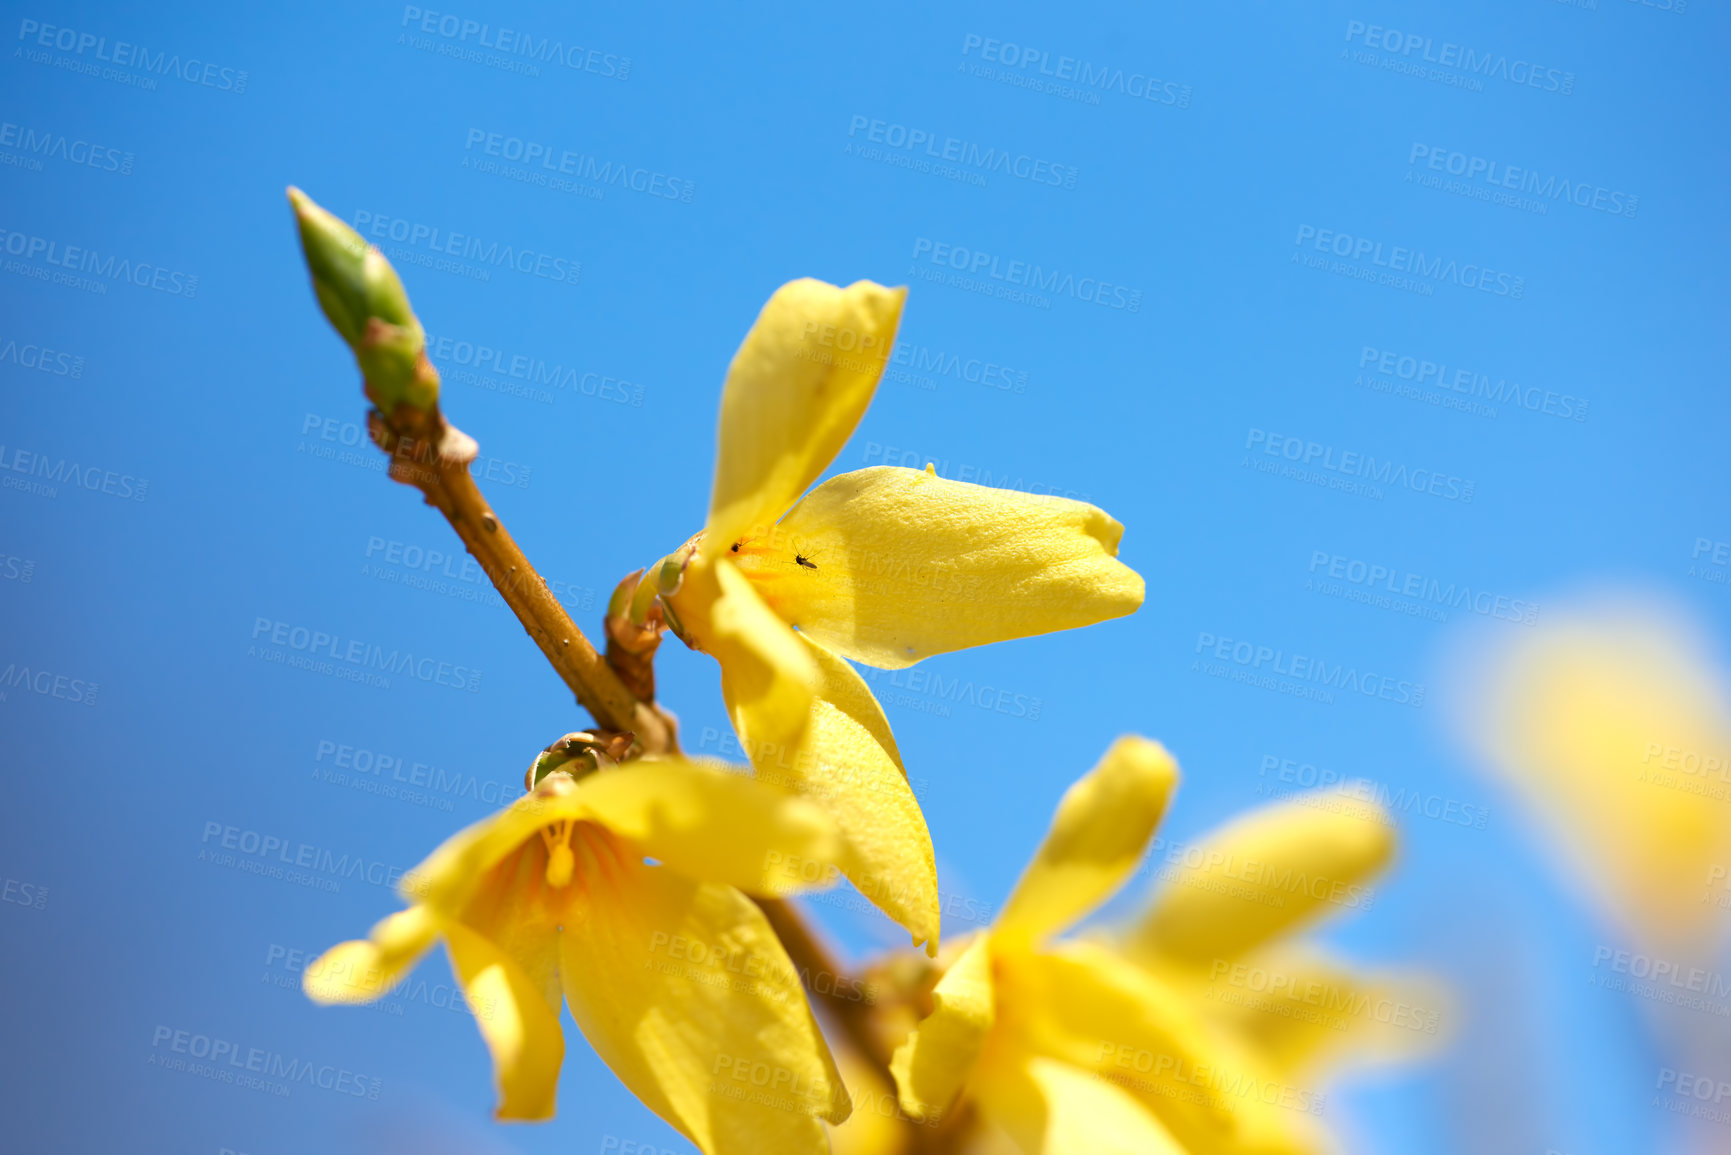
862 1026
812 958
631 647
365 302
943 1135
437 463
433 456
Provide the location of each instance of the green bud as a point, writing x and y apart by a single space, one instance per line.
577 763
672 572
643 597
336 256
366 304
579 755
619 604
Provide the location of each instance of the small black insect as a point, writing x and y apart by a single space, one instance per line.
736 547
801 559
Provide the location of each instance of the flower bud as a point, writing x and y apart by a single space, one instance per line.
364 300
579 755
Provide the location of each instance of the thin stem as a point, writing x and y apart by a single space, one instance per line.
442 475
947 1135
813 960
434 457
862 1025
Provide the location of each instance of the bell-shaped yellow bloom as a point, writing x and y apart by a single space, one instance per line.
1219 929
1072 1047
1614 727
619 894
884 566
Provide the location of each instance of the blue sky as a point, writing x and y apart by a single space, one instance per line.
1327 240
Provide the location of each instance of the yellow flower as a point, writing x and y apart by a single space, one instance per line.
620 893
1220 930
1614 728
885 566
1072 1047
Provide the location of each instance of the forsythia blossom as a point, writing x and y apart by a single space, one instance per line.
885 566
620 895
1614 726
1220 930
1088 1045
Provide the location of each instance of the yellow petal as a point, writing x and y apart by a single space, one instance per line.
1097 837
360 971
1051 1108
520 1030
1260 876
1301 1011
765 671
846 761
877 1125
937 1059
684 990
514 908
448 878
1086 1006
796 389
718 826
1611 723
889 565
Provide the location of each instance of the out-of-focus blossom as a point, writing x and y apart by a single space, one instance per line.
1070 1046
1611 726
1221 929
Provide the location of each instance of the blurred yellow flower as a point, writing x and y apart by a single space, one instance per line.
620 894
1219 929
885 566
1611 724
1071 1046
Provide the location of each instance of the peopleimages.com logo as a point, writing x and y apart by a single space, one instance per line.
1310 668
538 378
976 264
513 44
1399 259
1501 179
361 658
42 358
47 684
122 54
1360 466
1458 58
930 145
231 1062
1375 578
553 160
54 472
1068 76
80 259
1422 372
36 145
439 243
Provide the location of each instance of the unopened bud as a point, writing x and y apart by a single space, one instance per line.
643 598
619 603
364 300
579 755
672 571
